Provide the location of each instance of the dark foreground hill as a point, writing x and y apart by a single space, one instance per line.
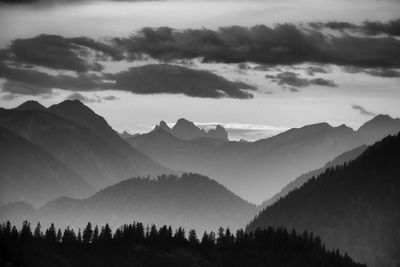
299 181
354 206
191 201
132 245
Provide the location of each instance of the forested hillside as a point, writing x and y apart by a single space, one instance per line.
354 206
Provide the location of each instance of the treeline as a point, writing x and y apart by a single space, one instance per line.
137 245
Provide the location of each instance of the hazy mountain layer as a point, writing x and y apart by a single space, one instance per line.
191 201
354 206
257 170
28 173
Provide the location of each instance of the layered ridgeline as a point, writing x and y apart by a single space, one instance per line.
78 138
354 206
257 170
29 173
135 244
192 201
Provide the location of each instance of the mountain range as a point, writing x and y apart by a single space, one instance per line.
65 164
78 139
187 130
354 206
257 170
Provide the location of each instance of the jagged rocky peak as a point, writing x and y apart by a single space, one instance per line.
187 130
31 105
218 133
162 125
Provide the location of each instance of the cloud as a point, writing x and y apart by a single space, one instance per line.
315 69
378 72
22 88
334 25
363 111
322 82
164 78
94 99
57 52
44 80
294 80
291 78
283 44
383 72
110 98
391 27
50 51
374 27
147 79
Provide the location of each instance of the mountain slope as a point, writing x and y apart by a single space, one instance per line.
192 201
354 207
77 112
27 173
75 146
299 181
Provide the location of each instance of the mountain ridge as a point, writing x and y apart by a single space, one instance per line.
353 206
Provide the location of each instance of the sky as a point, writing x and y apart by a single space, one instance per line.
306 62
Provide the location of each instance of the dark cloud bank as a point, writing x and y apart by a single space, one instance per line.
284 44
367 27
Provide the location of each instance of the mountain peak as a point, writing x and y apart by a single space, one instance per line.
218 133
162 125
75 103
378 127
187 130
31 105
184 122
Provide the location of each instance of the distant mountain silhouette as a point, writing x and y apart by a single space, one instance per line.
125 135
187 130
191 201
378 127
218 133
257 170
94 159
163 126
354 207
31 105
299 181
28 173
77 112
